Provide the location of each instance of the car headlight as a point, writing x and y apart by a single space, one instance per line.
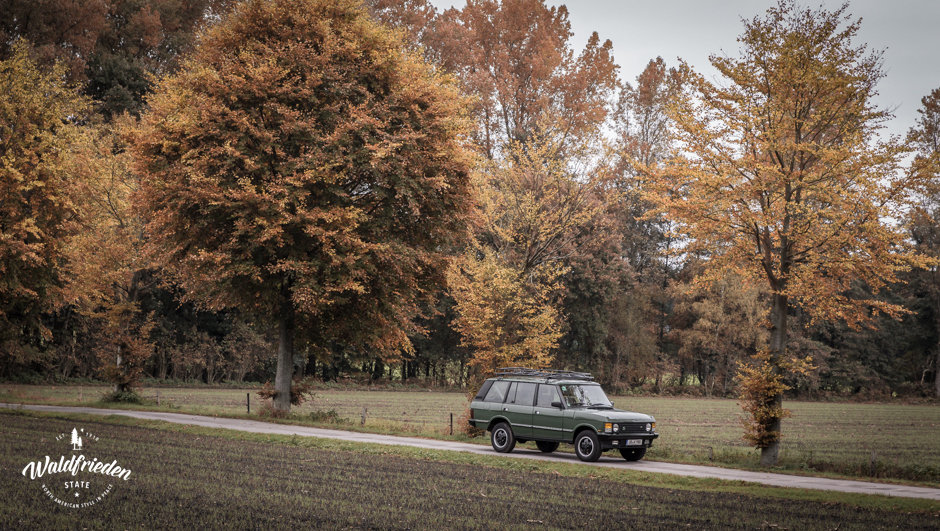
649 426
616 428
608 427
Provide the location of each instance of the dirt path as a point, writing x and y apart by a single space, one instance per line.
777 480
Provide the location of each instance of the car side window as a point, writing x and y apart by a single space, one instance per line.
525 394
497 392
547 395
483 390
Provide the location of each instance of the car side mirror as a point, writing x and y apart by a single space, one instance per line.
556 404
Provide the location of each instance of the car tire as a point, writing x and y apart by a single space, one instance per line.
502 439
587 447
546 447
633 454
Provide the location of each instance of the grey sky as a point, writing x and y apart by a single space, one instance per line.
907 31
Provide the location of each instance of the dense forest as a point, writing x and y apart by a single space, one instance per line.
523 202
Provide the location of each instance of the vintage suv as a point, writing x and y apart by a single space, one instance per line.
552 407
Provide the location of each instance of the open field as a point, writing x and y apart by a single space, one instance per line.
821 437
192 478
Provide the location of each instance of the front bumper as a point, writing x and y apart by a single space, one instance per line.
621 440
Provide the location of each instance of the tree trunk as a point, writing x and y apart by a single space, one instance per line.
936 371
778 346
119 387
285 356
378 370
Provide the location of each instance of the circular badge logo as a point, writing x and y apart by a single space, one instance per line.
77 477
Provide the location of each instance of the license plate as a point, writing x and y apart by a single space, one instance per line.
634 442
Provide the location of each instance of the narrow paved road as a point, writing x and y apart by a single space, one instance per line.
777 480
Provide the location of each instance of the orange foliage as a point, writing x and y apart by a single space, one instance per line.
507 319
38 212
515 57
785 181
305 169
532 207
107 269
761 388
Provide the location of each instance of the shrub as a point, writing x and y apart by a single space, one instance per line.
331 416
123 397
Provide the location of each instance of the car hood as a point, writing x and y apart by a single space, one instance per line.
612 415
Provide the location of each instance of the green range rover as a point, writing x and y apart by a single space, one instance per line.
553 407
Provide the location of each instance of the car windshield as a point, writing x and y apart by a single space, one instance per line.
585 396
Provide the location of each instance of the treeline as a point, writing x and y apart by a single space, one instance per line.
558 253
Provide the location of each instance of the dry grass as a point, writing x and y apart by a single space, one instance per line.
820 438
187 478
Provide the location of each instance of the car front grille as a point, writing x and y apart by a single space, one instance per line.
633 427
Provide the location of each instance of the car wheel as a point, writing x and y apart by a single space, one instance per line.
546 447
502 438
633 454
587 447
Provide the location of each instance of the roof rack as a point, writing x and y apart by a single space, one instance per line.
547 373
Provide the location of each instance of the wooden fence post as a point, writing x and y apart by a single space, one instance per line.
451 423
248 402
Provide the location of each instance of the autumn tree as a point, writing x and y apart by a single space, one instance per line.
642 123
925 217
142 41
507 319
786 181
722 327
110 47
108 272
646 139
533 205
37 209
63 31
301 166
514 57
415 17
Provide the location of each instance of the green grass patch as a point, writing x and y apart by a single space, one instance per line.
189 477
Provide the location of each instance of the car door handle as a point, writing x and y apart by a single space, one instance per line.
505 409
536 412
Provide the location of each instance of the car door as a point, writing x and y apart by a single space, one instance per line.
492 403
547 420
518 408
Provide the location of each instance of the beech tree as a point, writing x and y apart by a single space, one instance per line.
108 272
514 56
925 217
722 326
787 183
508 319
302 166
646 138
111 47
533 205
37 209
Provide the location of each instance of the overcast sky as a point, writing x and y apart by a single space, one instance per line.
908 31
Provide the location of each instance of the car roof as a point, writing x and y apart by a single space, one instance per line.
552 381
523 374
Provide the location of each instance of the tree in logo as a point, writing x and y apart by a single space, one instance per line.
76 440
